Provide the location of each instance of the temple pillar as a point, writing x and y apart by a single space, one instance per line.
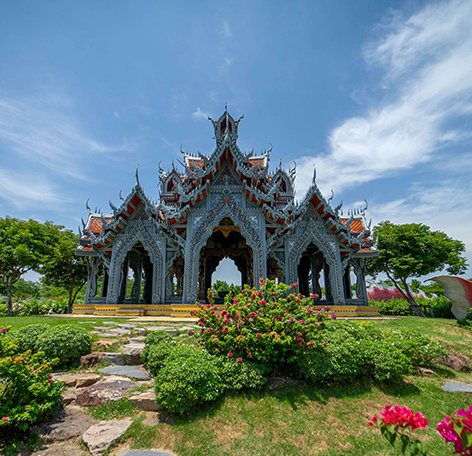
347 283
93 267
361 290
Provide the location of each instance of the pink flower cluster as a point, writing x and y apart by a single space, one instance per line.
401 417
448 429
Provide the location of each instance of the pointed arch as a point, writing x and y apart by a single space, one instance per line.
310 234
146 233
226 206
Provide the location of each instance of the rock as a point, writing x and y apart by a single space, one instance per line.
101 436
122 332
78 380
105 343
457 362
137 340
132 353
457 387
123 326
108 390
424 371
172 332
136 372
69 396
59 450
115 358
101 328
107 335
146 453
65 426
146 401
284 382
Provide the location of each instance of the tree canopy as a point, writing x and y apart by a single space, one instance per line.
24 246
413 250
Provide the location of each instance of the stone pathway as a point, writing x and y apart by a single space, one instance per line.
457 387
62 433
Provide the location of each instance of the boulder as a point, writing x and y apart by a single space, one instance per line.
132 353
146 401
136 372
105 343
59 449
65 426
79 380
91 359
108 390
101 436
115 358
457 362
69 396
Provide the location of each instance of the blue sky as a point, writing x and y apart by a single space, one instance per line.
377 94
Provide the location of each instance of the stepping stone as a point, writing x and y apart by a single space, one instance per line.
105 343
108 390
101 436
115 358
107 335
123 332
69 395
457 387
78 380
110 323
101 328
59 449
132 353
136 372
146 453
65 426
123 326
86 322
188 328
146 401
139 340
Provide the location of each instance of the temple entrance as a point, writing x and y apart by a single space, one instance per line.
313 274
136 277
226 241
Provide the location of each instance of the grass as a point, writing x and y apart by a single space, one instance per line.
319 420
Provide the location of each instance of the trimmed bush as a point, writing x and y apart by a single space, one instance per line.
25 338
153 338
30 394
442 307
64 342
158 354
393 307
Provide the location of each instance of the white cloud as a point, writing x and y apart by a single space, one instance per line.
226 29
45 134
28 190
426 61
199 114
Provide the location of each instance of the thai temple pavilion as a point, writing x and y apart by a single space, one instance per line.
225 205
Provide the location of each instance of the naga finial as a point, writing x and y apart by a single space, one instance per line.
87 205
314 173
121 198
137 176
331 197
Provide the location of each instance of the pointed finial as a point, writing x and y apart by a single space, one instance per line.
137 176
226 106
121 198
314 172
87 205
332 196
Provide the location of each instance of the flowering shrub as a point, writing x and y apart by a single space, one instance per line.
268 326
392 419
457 429
30 394
64 342
35 306
384 294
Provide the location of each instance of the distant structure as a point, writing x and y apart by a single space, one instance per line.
226 205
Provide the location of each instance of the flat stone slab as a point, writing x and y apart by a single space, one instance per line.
146 401
123 332
188 328
108 390
124 326
115 358
132 353
107 335
59 449
101 436
457 387
135 340
136 372
65 426
79 380
101 328
146 453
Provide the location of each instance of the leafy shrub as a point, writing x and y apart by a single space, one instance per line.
237 374
64 342
35 306
26 337
419 349
441 307
467 321
186 381
393 307
158 354
267 326
30 394
153 338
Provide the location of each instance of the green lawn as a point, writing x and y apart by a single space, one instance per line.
322 420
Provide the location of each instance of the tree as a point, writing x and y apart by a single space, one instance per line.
24 246
65 269
413 250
